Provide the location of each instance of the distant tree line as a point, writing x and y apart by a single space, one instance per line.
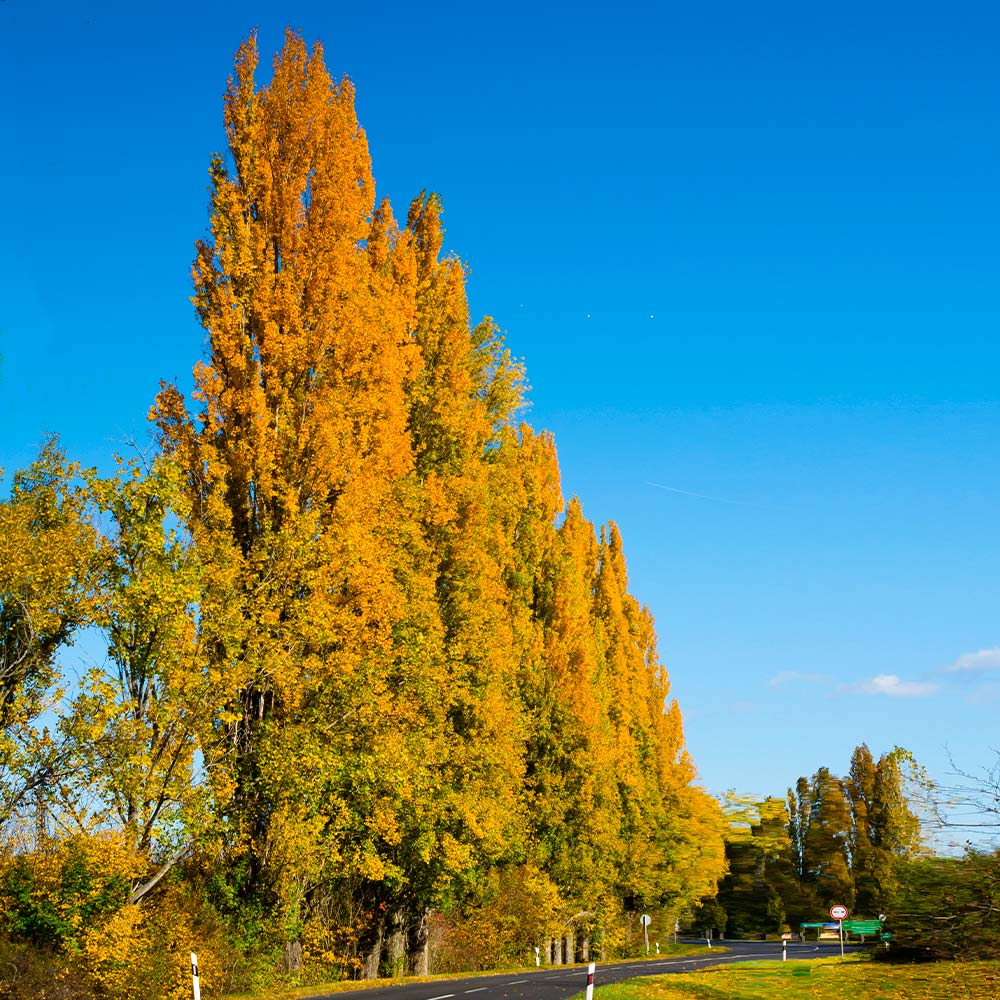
831 840
857 841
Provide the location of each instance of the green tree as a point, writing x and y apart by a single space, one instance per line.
131 729
47 552
758 853
884 828
861 790
819 829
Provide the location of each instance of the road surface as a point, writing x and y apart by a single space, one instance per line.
555 983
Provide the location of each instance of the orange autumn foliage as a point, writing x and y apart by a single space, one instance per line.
422 665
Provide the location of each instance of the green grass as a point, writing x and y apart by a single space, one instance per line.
824 979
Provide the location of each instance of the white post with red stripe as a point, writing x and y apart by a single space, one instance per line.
195 985
590 980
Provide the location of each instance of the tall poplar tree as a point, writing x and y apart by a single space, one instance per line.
300 474
861 790
393 637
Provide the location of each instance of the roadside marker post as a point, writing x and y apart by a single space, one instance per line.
195 985
784 950
590 980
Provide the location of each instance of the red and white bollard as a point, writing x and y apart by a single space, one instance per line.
195 985
590 980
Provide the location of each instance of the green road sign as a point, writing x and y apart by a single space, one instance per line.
862 926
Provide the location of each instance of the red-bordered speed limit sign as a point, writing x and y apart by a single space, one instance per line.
839 912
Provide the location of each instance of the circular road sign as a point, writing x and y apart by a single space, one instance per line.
839 912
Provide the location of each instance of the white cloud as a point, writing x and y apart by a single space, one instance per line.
891 686
985 659
793 676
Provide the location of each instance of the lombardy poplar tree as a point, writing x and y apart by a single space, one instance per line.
415 675
884 828
315 616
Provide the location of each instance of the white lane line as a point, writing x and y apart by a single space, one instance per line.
444 996
516 982
480 990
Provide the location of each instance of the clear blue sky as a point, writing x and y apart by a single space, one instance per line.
749 253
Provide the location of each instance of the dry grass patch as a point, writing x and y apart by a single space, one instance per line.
825 979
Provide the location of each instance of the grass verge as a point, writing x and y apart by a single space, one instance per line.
823 979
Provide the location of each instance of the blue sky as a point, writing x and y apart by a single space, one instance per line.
748 252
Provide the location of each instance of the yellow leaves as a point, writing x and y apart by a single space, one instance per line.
109 950
389 630
46 551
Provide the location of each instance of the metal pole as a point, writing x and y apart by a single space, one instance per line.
841 923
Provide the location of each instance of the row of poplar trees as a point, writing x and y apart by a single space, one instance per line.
364 659
832 840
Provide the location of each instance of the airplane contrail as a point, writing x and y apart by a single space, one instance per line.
688 493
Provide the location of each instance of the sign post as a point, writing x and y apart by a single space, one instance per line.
645 920
840 914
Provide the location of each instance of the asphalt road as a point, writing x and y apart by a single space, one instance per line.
554 983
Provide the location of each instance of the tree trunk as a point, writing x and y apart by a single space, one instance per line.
546 951
293 956
373 957
585 948
557 945
418 945
394 960
570 947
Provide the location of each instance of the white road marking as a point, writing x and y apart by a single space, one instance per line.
444 996
480 990
516 982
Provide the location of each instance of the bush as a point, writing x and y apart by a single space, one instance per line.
69 931
519 907
48 897
946 908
